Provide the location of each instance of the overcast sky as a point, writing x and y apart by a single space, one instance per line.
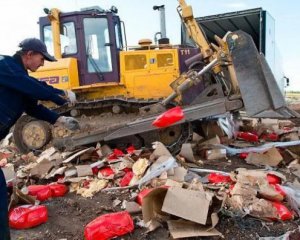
18 20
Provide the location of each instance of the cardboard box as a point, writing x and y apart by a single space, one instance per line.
188 204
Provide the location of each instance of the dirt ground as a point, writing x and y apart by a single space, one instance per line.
68 216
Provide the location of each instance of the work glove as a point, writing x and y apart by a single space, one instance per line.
68 122
70 96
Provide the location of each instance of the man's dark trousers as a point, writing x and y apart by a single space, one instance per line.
4 228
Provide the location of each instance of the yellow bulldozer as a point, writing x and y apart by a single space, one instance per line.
116 84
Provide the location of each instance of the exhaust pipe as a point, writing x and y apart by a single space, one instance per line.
162 15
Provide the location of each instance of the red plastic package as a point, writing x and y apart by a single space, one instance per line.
247 136
44 192
279 189
273 179
95 170
169 117
106 171
58 190
109 226
283 212
243 155
130 149
270 137
41 192
127 169
142 194
115 154
27 216
126 179
231 187
218 178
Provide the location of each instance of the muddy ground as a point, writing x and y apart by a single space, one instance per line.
69 214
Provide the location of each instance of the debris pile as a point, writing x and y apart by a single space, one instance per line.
174 190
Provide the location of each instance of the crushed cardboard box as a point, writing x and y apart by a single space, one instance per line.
271 158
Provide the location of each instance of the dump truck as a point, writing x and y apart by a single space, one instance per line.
137 84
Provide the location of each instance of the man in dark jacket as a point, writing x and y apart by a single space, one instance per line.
20 93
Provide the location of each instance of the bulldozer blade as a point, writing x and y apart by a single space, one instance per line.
144 125
258 87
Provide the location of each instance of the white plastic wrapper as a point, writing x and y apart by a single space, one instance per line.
158 170
262 148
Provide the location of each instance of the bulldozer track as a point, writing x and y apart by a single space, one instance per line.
129 104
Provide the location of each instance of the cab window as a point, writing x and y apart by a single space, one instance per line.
67 39
97 44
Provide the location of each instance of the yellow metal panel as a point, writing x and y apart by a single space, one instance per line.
149 73
102 92
165 60
62 74
53 16
96 86
144 74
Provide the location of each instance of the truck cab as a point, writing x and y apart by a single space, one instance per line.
92 36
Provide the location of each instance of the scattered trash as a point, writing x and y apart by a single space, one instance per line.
262 148
270 158
105 172
126 179
143 193
219 178
184 192
87 188
273 179
161 165
214 154
132 207
9 172
188 204
270 137
283 212
247 136
186 229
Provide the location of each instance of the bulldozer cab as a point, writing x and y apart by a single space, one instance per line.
94 37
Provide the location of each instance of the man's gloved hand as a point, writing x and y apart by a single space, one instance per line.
70 96
68 122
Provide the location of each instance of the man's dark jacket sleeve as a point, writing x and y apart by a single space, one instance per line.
14 78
